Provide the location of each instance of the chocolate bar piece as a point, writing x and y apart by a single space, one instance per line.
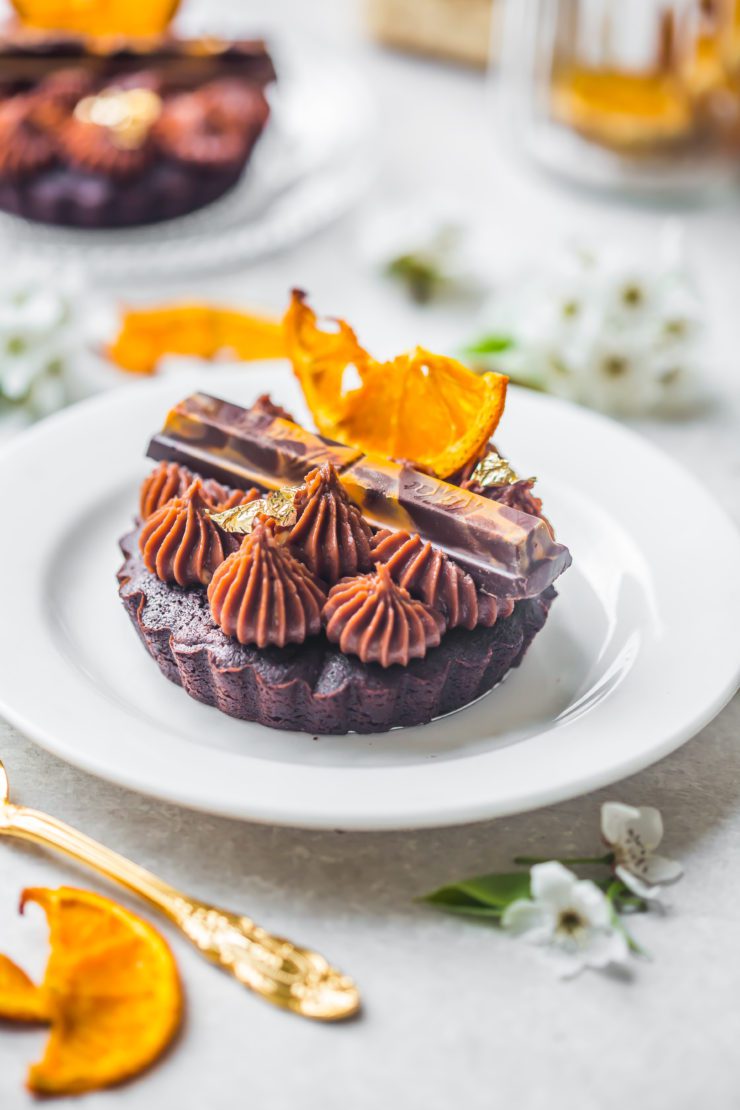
27 56
243 447
507 552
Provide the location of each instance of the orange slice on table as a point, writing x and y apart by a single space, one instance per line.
420 408
111 992
202 330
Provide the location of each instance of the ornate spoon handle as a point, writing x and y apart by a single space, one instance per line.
294 978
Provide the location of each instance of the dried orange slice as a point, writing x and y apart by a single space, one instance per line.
112 991
20 998
146 335
422 408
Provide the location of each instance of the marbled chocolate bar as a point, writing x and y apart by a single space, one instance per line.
243 447
507 552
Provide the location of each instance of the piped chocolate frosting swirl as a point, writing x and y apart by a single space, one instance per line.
428 574
373 618
179 542
92 147
263 595
25 145
265 403
206 129
330 533
170 480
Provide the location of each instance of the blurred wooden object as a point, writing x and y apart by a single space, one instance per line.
455 29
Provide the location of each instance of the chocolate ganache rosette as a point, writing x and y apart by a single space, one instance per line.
111 133
263 595
365 593
329 533
170 480
26 148
179 542
427 573
373 618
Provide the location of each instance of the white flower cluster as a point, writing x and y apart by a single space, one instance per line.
573 917
40 338
609 329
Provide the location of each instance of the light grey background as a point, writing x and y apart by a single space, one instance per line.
455 1014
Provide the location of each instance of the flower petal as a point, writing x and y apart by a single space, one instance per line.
553 884
591 903
660 869
615 820
605 947
651 892
534 922
648 826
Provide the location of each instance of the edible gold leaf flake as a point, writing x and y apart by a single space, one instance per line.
492 470
128 114
279 504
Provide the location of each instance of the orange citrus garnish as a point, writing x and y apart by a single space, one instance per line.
202 330
111 992
20 998
98 17
421 408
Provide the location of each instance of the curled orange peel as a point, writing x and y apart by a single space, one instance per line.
421 408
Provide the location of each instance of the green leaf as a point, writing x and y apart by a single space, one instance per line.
421 276
490 345
484 894
621 897
615 892
529 861
465 908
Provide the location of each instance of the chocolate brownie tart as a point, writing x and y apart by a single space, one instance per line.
99 135
279 599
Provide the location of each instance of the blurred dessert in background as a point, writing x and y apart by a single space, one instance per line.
114 132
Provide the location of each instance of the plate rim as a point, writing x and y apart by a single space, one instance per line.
462 813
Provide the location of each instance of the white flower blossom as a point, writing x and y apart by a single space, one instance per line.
571 916
610 329
40 337
632 833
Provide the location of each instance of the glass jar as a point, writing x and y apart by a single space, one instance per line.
633 94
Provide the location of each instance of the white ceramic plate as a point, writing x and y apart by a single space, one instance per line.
640 651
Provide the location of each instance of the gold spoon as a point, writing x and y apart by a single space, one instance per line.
295 978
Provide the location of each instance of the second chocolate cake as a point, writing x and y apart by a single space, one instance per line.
94 135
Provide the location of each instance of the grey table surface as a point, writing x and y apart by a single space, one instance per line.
455 1013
